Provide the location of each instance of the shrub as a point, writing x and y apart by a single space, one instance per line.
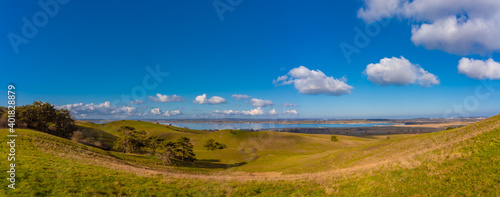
77 136
334 138
211 144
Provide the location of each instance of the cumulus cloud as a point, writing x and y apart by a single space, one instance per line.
214 100
172 113
399 71
158 111
260 102
289 105
240 96
479 69
272 112
99 110
314 82
253 112
455 26
227 112
165 98
375 10
293 112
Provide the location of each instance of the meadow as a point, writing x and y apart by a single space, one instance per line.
459 162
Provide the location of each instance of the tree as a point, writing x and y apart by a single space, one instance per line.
184 149
131 141
211 144
3 117
165 151
154 142
126 128
334 138
46 118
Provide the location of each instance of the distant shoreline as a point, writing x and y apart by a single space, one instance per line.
414 122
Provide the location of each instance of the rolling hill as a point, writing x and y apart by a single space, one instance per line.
462 161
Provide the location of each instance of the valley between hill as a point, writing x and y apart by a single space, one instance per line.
461 161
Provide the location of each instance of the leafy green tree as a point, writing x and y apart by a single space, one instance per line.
131 141
184 149
334 138
153 143
211 144
46 118
165 151
126 128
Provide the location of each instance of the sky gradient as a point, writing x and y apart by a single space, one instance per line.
321 59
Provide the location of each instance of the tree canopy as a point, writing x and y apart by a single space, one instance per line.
42 117
133 141
211 144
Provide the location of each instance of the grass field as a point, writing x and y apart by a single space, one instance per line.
458 162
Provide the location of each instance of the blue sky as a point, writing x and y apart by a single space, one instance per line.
87 56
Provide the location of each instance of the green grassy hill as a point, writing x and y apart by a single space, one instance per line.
462 161
248 151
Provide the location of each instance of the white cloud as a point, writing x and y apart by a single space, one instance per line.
455 26
98 110
289 105
253 112
176 112
165 98
375 10
399 71
260 102
314 82
479 69
272 112
282 78
240 96
172 113
227 112
202 99
158 111
293 112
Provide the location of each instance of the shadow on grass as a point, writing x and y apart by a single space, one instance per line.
98 135
215 164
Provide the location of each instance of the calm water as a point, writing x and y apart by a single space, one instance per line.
201 126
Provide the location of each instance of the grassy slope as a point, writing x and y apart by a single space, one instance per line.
462 161
265 151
